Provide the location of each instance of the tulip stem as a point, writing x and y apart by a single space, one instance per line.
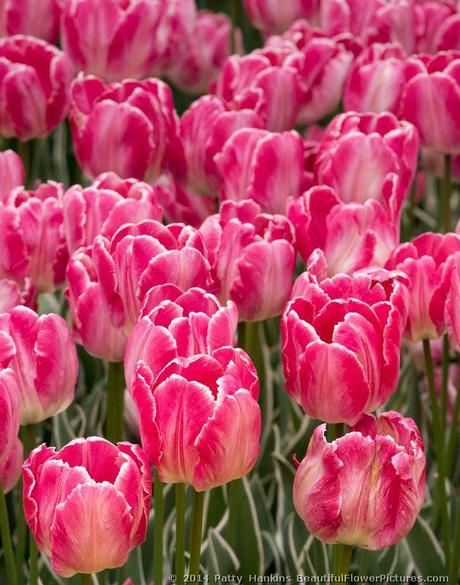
180 533
445 380
6 540
453 435
158 522
86 579
342 559
115 397
197 530
33 561
441 500
446 194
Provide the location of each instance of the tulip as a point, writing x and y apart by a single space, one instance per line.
357 17
11 295
205 128
360 154
112 39
341 341
32 237
182 324
108 282
29 17
34 87
270 17
176 30
130 128
322 66
342 237
428 262
452 305
209 45
87 505
105 206
252 258
11 452
180 205
199 418
431 101
436 26
40 350
365 488
263 166
265 81
377 79
11 173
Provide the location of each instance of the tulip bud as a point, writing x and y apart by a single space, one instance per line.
11 452
263 166
271 17
431 101
11 173
252 258
428 261
29 17
341 340
112 39
129 128
365 488
33 238
41 352
215 398
205 128
34 87
345 237
87 505
105 206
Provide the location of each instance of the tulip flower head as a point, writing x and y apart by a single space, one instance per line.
365 488
11 452
96 513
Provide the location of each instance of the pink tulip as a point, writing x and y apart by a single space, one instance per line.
271 17
360 154
32 237
40 350
11 295
343 237
263 166
11 173
452 306
11 452
252 258
436 26
35 79
377 79
341 341
87 505
108 282
130 128
182 324
357 17
29 17
105 206
208 47
265 81
428 262
365 488
113 39
176 30
180 205
431 101
322 64
205 128
199 418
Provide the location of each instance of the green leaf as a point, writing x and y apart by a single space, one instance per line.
425 550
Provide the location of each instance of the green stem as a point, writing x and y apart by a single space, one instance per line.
342 559
234 16
115 398
445 381
334 431
441 499
453 573
25 152
233 498
6 540
180 533
452 442
158 523
85 579
197 530
33 561
446 222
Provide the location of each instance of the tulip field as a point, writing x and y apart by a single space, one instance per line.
229 292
